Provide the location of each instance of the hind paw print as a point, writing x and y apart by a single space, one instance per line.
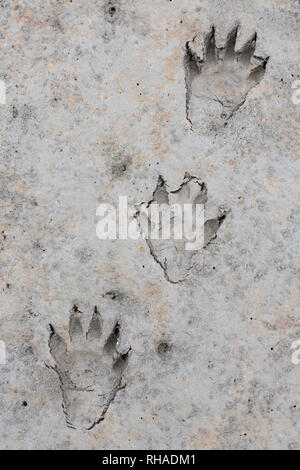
218 80
90 369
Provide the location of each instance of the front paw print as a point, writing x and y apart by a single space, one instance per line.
90 369
175 255
218 80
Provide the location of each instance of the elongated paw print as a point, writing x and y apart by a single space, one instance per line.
218 80
90 369
175 255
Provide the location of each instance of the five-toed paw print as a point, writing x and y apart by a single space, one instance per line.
172 255
218 80
89 368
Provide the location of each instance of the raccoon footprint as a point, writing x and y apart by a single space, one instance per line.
90 369
175 256
218 80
